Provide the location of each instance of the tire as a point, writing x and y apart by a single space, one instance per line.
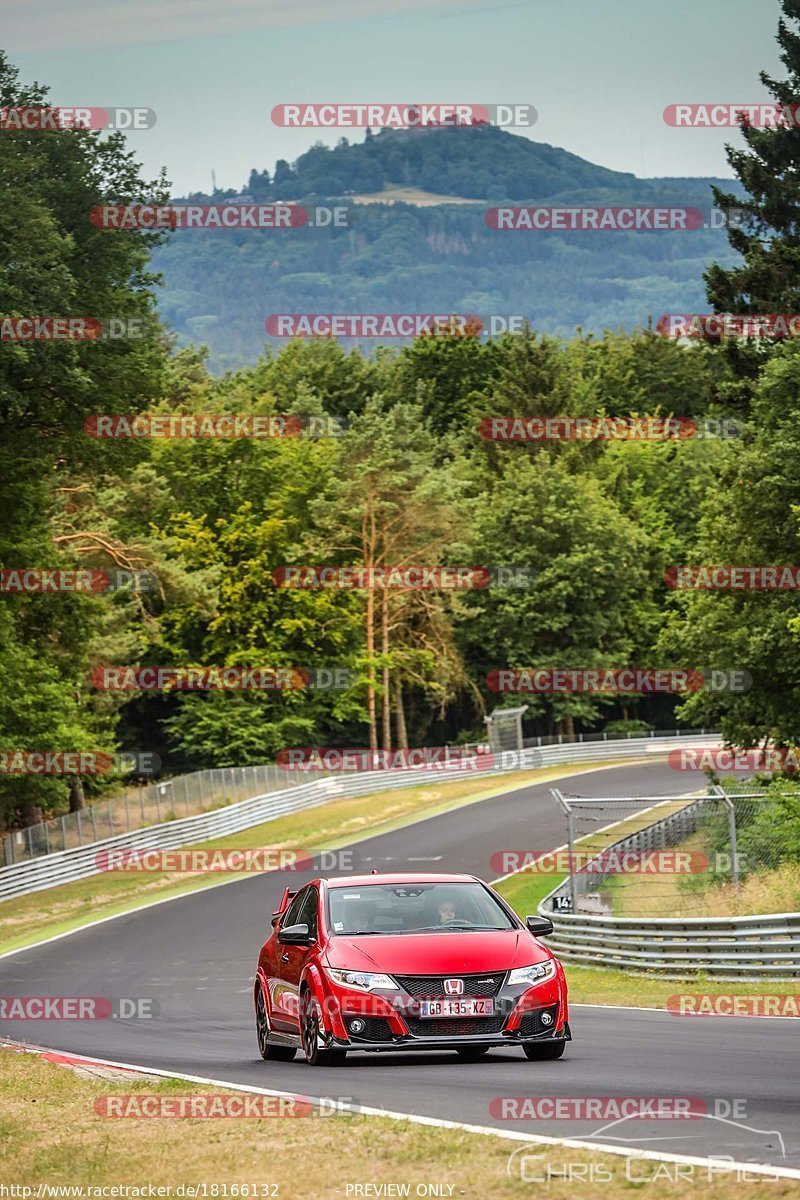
267 1051
472 1053
316 1055
544 1051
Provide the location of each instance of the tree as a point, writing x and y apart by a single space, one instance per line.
589 567
764 226
54 262
751 517
391 503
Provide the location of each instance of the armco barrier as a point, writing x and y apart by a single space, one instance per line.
722 947
65 866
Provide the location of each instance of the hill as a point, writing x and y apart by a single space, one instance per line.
429 257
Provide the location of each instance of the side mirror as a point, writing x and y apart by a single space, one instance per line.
295 935
539 926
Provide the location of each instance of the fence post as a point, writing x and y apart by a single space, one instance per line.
726 800
63 832
94 822
565 807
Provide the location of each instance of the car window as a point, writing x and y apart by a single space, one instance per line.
308 912
412 907
290 917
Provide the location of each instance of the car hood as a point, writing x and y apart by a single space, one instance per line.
437 953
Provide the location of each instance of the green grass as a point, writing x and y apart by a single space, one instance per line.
526 890
607 985
604 985
53 1135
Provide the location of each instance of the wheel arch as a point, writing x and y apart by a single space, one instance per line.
260 981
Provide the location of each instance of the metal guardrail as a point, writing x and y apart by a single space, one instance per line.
722 947
81 862
198 792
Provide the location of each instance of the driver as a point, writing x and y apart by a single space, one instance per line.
447 912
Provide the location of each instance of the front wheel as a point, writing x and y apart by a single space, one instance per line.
544 1051
310 1036
267 1051
472 1053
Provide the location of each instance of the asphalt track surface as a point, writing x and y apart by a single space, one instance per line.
195 956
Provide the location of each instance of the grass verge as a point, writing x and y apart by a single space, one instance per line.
767 891
606 985
27 919
526 890
51 1135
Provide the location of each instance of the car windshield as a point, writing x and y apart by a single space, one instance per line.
414 908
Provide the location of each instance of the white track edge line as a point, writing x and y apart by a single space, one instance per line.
440 1123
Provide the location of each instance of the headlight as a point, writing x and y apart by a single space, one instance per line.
535 974
364 980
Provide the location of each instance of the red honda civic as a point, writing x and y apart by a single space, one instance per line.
406 962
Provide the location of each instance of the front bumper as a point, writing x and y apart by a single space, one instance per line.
517 1020
410 1043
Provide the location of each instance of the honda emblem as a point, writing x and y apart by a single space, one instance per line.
453 987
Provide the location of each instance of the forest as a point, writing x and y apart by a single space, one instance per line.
377 460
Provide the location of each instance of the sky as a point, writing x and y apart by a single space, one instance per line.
598 72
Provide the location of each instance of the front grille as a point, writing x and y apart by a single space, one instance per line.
376 1029
487 984
446 1026
531 1024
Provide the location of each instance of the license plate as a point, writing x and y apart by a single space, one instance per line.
471 1007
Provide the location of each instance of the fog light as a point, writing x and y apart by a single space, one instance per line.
547 1019
357 1025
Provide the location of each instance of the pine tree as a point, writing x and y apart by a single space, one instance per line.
767 231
